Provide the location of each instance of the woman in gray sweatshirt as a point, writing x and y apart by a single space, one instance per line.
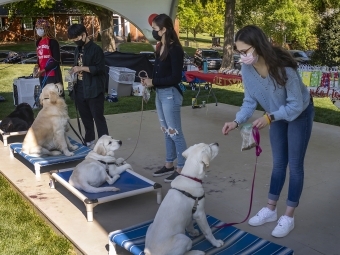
270 78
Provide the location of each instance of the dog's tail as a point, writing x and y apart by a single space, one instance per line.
90 189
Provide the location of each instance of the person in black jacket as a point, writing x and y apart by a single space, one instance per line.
89 66
167 74
48 53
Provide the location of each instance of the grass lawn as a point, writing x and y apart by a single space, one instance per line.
23 231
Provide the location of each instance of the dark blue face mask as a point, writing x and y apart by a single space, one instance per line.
156 36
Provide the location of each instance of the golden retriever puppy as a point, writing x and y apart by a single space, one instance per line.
183 203
99 166
47 135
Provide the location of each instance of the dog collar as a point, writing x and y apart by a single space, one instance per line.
107 163
192 197
192 178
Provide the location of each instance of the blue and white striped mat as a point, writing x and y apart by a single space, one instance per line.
79 154
235 240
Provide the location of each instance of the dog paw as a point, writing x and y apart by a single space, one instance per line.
218 243
68 153
74 147
193 232
120 161
115 189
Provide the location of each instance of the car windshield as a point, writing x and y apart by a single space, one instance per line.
300 54
210 54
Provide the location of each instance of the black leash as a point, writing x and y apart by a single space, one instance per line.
80 136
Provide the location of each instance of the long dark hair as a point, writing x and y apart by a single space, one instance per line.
276 58
171 38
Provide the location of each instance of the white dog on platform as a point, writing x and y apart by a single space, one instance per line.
183 203
99 166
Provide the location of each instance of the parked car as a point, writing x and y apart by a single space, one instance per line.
30 58
237 61
309 53
212 57
300 56
67 54
150 55
9 57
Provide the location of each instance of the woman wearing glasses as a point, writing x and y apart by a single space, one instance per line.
271 79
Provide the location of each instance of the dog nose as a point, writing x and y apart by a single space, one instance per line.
120 142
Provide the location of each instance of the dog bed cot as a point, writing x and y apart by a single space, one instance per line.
39 162
235 240
5 135
130 183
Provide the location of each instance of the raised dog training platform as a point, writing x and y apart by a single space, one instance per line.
39 162
236 241
130 183
5 135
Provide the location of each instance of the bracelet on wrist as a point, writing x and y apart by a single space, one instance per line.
237 124
268 118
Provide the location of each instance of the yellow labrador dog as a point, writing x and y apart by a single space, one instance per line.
183 203
47 135
99 166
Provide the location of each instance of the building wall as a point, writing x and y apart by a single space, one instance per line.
60 23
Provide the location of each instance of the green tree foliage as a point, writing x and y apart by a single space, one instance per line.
190 16
213 17
291 21
328 31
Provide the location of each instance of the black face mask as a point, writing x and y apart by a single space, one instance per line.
80 42
156 35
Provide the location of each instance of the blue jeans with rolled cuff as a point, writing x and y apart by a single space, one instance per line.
168 104
289 141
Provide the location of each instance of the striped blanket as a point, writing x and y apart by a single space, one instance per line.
235 240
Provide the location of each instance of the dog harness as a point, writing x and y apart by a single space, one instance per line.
109 163
194 209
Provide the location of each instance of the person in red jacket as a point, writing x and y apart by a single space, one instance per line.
48 53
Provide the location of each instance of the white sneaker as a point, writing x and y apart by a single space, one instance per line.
263 216
284 225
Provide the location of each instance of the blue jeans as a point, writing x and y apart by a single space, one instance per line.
168 104
289 140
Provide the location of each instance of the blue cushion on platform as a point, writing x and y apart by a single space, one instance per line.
79 154
235 241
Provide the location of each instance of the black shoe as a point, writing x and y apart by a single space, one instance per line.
164 171
171 177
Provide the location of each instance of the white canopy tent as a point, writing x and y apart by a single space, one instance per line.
136 11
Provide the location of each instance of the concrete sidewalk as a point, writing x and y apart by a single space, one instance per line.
227 184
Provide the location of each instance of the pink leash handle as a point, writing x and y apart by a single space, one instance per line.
256 135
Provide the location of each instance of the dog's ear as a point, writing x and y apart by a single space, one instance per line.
205 158
53 97
100 149
186 152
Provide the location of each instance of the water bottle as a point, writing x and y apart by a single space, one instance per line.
205 67
113 93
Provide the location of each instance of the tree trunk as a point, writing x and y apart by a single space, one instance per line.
227 61
105 18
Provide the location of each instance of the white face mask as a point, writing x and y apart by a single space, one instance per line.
40 32
249 59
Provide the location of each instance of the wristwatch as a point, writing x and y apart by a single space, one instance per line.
272 117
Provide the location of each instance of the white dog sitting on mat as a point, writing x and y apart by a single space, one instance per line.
98 167
183 203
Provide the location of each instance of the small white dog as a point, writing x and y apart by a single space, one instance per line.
99 166
183 203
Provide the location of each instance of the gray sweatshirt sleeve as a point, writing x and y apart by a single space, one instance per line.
294 101
247 109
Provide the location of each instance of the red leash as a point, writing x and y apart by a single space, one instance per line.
256 136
